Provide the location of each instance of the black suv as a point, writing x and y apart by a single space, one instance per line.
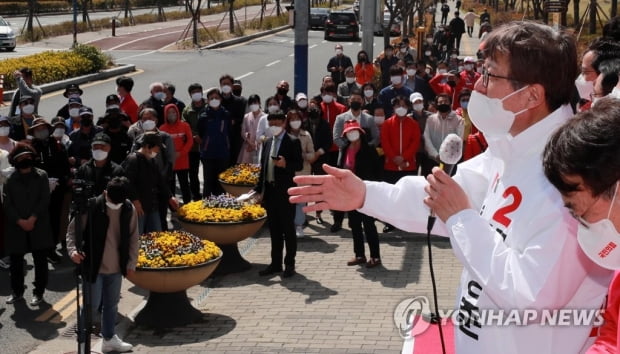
342 24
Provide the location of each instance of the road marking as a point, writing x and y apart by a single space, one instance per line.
312 46
69 299
291 55
273 63
245 75
292 42
143 38
136 55
283 40
324 41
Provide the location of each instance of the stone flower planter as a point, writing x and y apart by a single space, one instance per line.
236 189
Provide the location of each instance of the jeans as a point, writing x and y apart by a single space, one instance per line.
107 292
300 216
40 272
149 222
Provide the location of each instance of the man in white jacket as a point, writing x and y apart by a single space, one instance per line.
506 222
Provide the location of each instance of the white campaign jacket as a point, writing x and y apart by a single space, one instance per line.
518 245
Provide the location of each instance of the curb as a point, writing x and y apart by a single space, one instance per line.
244 39
60 85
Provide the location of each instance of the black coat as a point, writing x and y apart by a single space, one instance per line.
99 177
290 149
147 184
366 161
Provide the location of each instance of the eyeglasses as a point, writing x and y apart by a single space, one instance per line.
594 95
486 75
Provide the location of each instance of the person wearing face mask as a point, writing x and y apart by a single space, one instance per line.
337 64
281 158
361 159
370 97
155 101
181 135
404 52
345 88
421 115
27 222
330 109
121 142
322 141
468 77
73 121
79 149
21 122
99 169
439 125
294 128
59 132
190 115
284 100
580 160
301 105
446 84
54 160
249 149
519 246
25 87
128 104
387 61
364 69
397 88
262 129
71 91
213 126
110 251
6 143
148 186
236 107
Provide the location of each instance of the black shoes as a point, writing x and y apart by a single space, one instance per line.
14 298
319 219
288 272
336 227
388 228
36 300
271 269
53 258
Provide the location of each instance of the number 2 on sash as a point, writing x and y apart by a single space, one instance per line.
500 214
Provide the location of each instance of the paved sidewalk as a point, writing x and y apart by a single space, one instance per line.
327 308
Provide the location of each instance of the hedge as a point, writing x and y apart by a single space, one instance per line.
53 66
13 7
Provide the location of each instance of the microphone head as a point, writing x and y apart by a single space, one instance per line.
451 149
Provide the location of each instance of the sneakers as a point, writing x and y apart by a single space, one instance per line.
115 344
299 231
14 298
5 263
36 300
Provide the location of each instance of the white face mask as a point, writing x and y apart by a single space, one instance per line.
379 120
601 241
295 124
196 96
28 109
226 89
148 125
460 68
159 95
112 106
428 53
74 112
395 80
338 51
214 103
353 135
418 107
429 40
489 115
302 104
350 80
469 67
58 133
113 206
427 71
328 98
401 111
442 71
410 72
254 107
584 87
153 154
369 93
5 131
403 50
454 56
99 155
275 130
273 108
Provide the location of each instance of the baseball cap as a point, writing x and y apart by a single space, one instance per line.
415 96
101 138
56 121
86 111
301 96
74 100
25 98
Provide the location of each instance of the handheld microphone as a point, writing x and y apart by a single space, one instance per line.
450 153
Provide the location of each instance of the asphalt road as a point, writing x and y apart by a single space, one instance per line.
260 64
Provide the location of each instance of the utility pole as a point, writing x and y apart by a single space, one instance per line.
368 25
75 15
231 13
302 14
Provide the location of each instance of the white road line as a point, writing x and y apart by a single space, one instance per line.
312 46
292 42
291 55
324 41
283 40
244 75
143 38
273 63
135 56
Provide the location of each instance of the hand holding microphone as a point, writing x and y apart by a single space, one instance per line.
445 196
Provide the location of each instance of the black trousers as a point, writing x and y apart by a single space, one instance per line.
356 221
40 272
194 182
183 177
332 157
211 169
281 221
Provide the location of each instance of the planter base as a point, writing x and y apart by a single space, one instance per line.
232 261
165 310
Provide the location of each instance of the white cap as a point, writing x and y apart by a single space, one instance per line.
415 96
301 96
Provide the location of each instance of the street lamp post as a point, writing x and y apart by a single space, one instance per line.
75 14
302 14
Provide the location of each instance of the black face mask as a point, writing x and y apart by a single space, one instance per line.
451 83
313 114
24 164
443 108
362 59
236 92
356 105
114 123
282 91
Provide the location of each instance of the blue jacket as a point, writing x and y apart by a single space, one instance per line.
213 127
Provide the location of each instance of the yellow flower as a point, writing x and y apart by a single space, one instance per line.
220 209
174 249
243 174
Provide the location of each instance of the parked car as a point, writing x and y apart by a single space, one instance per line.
394 30
8 39
342 24
318 16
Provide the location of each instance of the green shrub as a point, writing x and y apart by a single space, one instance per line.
93 54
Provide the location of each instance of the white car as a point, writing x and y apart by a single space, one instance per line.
8 39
